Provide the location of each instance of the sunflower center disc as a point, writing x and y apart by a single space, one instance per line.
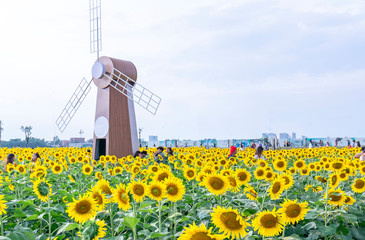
293 210
268 221
200 236
229 220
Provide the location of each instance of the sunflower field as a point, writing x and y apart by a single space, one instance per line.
195 194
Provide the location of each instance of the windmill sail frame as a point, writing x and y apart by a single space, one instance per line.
136 92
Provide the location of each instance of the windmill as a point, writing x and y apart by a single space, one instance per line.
115 128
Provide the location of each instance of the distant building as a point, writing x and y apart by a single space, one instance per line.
77 140
294 135
269 135
153 141
284 136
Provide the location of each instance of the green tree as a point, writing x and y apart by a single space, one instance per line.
27 132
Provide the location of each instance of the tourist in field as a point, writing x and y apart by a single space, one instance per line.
310 145
361 155
143 154
9 160
358 144
169 152
136 154
232 152
258 153
35 157
159 154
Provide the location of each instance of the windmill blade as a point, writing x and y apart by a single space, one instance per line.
95 26
134 91
73 104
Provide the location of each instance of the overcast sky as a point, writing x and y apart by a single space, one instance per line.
224 69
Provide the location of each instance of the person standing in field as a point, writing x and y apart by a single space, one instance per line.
159 153
361 155
232 152
9 160
258 154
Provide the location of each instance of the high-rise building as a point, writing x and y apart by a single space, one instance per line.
269 135
294 135
284 136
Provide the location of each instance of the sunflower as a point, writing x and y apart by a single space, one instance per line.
229 222
83 209
334 180
335 197
260 173
10 167
99 198
276 189
233 181
101 226
349 200
242 176
194 232
156 191
304 171
175 189
359 185
299 164
280 165
72 160
138 189
87 169
99 175
3 206
161 175
42 189
251 192
120 196
292 212
337 166
189 173
153 168
104 186
288 180
321 179
71 178
57 168
118 170
21 169
216 183
268 224
269 175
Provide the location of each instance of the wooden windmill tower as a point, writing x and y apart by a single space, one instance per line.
115 128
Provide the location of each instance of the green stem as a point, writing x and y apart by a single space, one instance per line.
326 206
283 235
134 208
263 199
49 218
1 225
175 211
159 217
111 218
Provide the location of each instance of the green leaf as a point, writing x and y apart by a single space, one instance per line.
342 230
292 237
19 214
4 238
174 215
32 217
157 235
131 222
310 225
67 227
21 233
